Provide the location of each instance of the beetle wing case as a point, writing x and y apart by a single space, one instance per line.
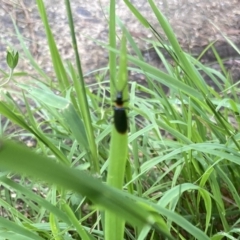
120 119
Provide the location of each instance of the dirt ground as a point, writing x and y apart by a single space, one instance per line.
195 22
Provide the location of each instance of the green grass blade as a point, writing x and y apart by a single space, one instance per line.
81 231
79 86
137 14
20 121
16 228
112 43
185 64
44 168
41 201
56 59
114 225
161 76
67 111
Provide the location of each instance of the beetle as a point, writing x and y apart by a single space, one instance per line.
120 116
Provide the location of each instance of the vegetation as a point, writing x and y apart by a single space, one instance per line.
173 175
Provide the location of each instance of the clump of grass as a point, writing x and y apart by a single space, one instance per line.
181 152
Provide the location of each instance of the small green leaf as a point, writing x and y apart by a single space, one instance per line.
12 58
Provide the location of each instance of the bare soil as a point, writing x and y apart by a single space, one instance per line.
195 22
